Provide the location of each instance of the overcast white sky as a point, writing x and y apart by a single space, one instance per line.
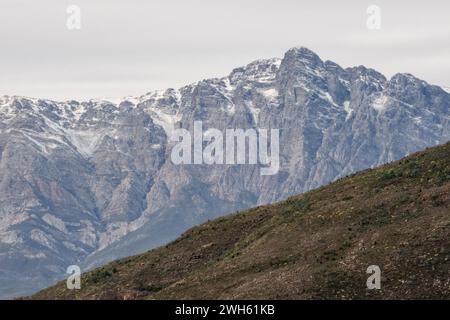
129 47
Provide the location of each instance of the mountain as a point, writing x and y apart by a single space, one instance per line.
315 245
88 182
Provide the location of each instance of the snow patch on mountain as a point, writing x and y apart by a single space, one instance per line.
380 102
347 109
270 94
260 71
165 120
254 112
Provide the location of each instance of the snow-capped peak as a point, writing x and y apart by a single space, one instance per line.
262 71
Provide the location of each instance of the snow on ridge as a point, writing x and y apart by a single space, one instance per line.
347 109
255 113
225 88
326 96
78 112
5 100
133 100
270 94
164 120
41 146
5 107
165 116
115 101
161 94
261 71
380 103
228 87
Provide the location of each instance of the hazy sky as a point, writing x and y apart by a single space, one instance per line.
129 47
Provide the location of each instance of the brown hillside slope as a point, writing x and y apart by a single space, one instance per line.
315 245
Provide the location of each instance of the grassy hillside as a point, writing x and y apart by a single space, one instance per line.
315 245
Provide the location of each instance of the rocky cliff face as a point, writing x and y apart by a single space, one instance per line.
87 182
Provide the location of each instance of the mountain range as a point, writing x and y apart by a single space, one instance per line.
84 183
